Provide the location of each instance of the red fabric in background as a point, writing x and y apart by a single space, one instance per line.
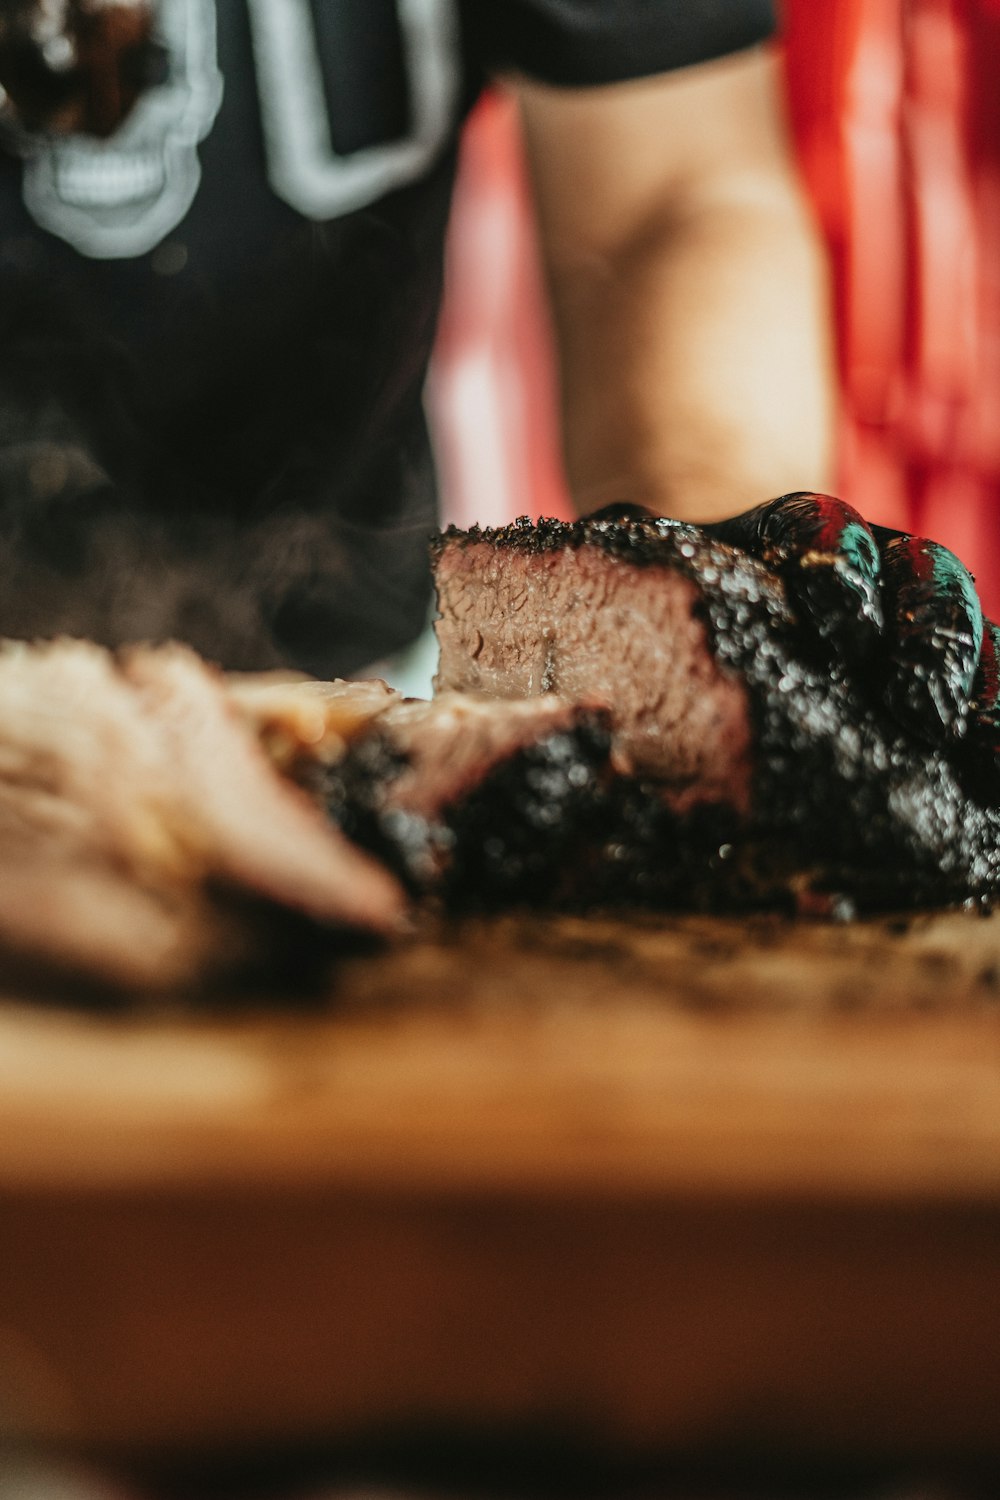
895 111
895 106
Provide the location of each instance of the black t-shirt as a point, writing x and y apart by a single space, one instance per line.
239 291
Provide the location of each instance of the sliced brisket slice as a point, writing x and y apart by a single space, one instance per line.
562 610
147 841
304 725
751 770
481 801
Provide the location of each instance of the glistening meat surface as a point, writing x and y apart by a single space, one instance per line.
752 769
519 620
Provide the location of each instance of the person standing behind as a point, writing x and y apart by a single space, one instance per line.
216 321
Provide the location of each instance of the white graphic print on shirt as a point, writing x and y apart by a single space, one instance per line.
303 167
121 197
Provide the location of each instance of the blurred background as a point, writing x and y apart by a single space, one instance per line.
895 112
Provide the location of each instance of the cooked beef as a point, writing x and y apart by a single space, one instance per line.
147 843
751 766
520 616
483 802
304 725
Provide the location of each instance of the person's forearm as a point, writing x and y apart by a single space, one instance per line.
695 366
689 289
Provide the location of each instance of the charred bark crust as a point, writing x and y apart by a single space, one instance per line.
844 801
515 839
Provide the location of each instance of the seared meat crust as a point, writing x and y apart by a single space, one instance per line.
484 803
756 768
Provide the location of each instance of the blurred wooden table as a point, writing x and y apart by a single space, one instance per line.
684 1182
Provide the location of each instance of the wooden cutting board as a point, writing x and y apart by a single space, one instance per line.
668 1182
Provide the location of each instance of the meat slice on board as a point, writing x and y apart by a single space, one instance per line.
482 801
304 724
751 771
147 840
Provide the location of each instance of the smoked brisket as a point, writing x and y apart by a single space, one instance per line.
148 842
751 766
483 803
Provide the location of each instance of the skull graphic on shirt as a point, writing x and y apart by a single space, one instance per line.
120 198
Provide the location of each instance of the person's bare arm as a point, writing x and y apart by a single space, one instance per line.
688 289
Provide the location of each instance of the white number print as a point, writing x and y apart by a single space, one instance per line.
303 167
